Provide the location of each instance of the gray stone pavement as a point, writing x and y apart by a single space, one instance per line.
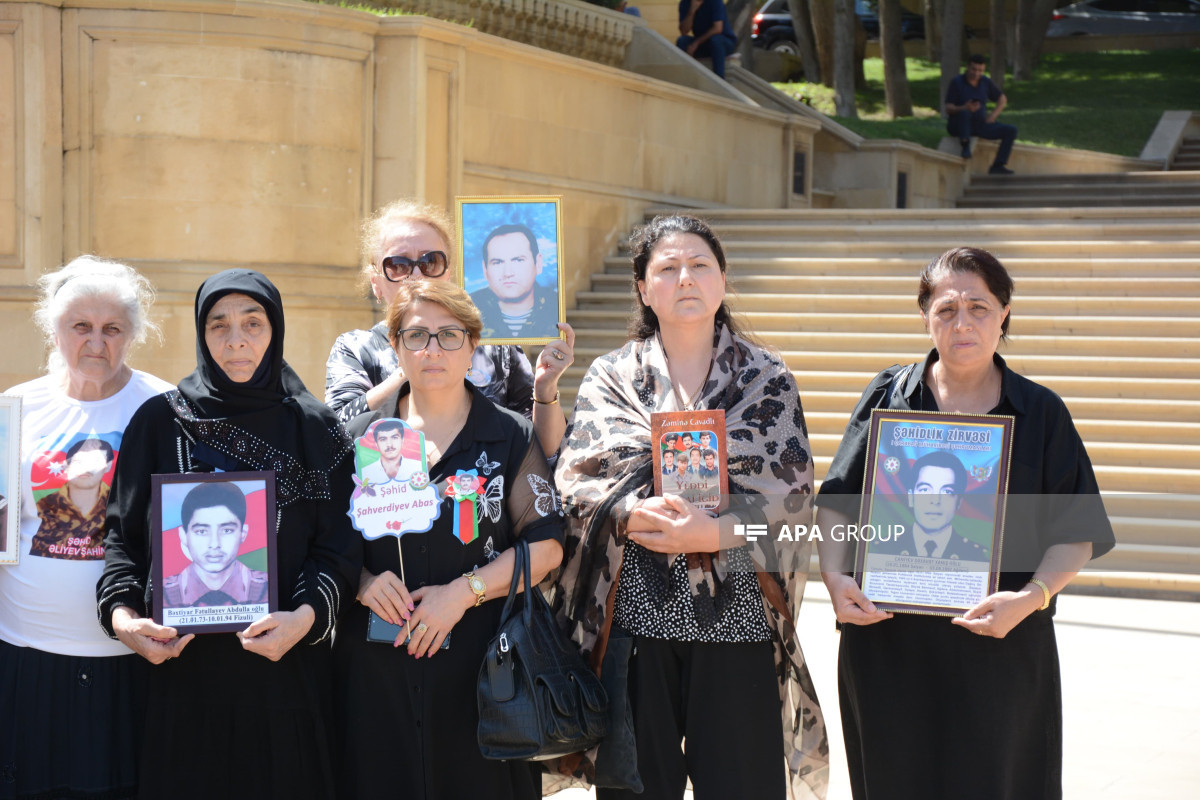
1131 696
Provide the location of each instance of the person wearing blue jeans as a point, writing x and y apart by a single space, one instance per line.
967 97
706 32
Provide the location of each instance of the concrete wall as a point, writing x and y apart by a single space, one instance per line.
189 137
1032 159
864 173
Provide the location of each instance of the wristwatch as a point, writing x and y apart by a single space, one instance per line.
477 586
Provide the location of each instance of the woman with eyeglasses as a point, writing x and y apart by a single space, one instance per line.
407 239
406 707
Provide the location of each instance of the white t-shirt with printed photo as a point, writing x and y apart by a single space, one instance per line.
68 452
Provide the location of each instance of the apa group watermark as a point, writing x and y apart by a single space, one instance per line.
813 533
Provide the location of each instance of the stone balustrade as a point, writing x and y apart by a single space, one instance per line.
570 27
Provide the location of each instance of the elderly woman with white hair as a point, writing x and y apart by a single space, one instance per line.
71 699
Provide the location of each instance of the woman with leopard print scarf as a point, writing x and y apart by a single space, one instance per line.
712 617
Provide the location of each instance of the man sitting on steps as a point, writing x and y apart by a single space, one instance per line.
706 32
967 97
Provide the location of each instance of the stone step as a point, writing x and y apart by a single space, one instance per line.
1150 558
1118 423
1143 530
923 249
785 281
1043 200
1109 454
1093 409
1098 408
1174 519
1111 479
1094 178
754 299
978 233
1090 430
822 313
921 216
1181 508
1075 386
1039 368
1182 185
597 342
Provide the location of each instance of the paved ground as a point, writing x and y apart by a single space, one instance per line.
1131 696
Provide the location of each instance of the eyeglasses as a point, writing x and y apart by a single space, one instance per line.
431 264
417 339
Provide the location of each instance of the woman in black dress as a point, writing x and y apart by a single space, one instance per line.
407 712
238 715
969 707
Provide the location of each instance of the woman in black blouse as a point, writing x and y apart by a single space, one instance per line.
405 240
247 714
969 707
407 712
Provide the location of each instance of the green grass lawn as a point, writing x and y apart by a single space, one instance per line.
1108 102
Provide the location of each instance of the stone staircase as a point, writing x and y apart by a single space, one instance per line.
1106 313
1125 189
1188 156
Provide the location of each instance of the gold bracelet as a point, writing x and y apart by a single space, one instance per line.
553 402
1038 582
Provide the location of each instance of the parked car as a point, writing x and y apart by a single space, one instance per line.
1125 17
912 26
772 28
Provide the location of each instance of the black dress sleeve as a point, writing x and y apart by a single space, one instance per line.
533 503
329 578
127 551
1075 512
842 488
520 381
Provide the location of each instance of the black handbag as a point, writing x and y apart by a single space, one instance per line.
537 698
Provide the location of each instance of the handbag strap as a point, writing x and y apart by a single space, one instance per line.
520 557
527 562
898 381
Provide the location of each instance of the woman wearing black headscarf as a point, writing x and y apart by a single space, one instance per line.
238 715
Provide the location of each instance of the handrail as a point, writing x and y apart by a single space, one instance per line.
570 27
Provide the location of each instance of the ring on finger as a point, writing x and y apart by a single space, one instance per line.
557 355
421 628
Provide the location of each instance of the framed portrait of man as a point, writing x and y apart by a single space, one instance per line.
10 484
509 250
214 540
931 529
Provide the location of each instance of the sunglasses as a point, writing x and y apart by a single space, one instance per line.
397 268
417 339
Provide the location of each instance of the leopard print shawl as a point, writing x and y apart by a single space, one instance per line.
605 466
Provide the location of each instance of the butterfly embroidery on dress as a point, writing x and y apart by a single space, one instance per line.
488 504
547 502
485 465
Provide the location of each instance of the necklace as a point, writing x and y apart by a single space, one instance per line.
689 403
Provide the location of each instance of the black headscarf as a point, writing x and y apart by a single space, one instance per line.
270 422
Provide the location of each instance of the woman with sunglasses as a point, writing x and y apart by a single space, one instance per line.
406 708
410 239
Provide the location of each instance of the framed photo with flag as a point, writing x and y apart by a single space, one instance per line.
10 483
214 544
936 483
